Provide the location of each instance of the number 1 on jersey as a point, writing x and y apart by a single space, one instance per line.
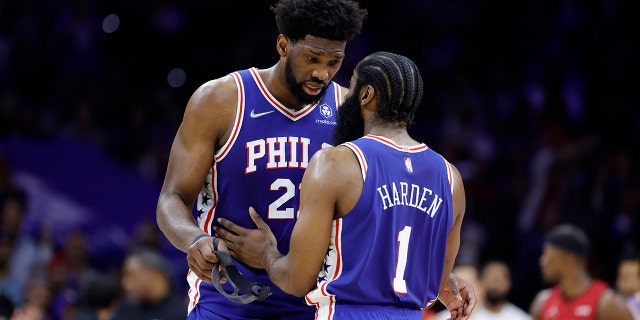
399 285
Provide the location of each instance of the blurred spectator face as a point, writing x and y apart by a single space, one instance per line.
38 293
76 248
134 278
12 213
496 280
551 260
628 278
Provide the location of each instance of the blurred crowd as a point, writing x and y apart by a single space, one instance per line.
534 102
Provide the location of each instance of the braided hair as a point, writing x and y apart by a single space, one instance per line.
398 83
339 20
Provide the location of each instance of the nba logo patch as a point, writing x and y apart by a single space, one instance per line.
407 164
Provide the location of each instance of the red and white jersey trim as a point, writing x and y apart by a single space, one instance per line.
449 173
291 114
361 159
412 149
237 124
320 297
194 291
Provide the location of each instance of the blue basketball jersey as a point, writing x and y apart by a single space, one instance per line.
390 248
262 165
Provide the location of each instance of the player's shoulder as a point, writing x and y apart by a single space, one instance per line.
333 162
333 155
543 294
343 92
213 97
219 88
614 305
538 302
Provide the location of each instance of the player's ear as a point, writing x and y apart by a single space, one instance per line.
282 45
367 94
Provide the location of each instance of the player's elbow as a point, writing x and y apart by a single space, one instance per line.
298 289
298 292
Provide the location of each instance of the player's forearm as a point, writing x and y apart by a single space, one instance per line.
282 274
176 221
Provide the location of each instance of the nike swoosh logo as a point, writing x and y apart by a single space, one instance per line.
253 113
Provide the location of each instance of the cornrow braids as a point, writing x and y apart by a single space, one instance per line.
398 83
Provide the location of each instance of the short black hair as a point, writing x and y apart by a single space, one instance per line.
153 260
630 252
397 81
569 238
100 291
329 19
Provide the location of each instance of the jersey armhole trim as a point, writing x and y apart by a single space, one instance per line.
449 173
360 156
338 94
237 124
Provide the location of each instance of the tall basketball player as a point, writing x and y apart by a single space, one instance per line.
246 139
380 216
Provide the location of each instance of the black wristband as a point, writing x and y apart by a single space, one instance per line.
200 237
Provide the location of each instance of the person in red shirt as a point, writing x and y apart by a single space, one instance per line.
576 295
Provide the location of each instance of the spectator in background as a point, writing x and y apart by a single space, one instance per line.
628 281
99 299
37 304
10 288
575 295
495 279
23 259
69 270
148 290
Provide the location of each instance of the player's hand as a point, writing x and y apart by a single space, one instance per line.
250 246
459 297
200 257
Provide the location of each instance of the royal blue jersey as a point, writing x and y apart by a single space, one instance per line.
390 248
262 165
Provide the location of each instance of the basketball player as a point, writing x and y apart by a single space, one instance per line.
246 139
380 216
576 295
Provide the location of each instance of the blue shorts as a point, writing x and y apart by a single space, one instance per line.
375 312
202 313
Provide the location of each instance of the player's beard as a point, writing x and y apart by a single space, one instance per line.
496 298
296 89
350 122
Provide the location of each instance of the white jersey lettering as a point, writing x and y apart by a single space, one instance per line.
418 197
281 152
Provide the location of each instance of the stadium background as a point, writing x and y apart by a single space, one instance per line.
535 101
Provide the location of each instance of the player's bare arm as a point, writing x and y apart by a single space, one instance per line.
205 127
612 306
327 191
449 293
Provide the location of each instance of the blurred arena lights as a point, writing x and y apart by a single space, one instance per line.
176 77
111 23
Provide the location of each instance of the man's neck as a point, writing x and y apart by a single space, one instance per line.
575 284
